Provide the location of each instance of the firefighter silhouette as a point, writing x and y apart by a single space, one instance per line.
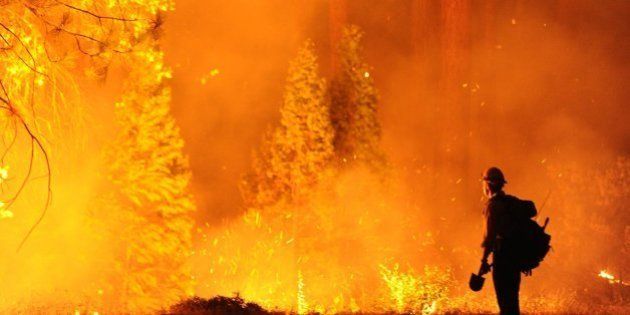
499 240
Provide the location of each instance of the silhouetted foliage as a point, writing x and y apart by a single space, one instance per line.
294 155
218 305
353 105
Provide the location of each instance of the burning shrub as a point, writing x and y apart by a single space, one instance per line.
218 305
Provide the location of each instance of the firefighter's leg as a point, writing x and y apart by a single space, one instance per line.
506 285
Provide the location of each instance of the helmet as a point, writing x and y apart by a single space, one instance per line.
494 175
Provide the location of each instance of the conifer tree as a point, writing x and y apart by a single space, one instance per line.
143 220
150 177
354 103
295 155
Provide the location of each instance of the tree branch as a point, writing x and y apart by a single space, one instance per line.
34 142
100 17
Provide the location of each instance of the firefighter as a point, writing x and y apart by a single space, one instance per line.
506 273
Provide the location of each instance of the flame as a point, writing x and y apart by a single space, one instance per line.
302 306
415 293
604 274
611 279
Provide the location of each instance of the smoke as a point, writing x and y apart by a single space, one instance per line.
59 264
546 67
544 88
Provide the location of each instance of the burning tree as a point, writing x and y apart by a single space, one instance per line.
45 48
354 103
295 155
312 237
150 176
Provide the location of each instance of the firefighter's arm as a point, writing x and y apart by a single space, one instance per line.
490 233
490 229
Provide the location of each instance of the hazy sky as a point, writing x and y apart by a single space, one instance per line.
558 73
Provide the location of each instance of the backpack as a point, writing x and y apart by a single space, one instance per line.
531 241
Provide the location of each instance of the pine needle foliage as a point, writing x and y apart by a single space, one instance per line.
294 155
354 102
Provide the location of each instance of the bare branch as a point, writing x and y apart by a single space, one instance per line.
8 148
34 66
34 142
100 17
77 35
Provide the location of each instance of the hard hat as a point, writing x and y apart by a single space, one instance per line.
494 175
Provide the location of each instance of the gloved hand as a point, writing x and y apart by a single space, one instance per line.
485 267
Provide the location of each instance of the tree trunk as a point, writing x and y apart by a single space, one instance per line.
337 18
424 39
455 88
